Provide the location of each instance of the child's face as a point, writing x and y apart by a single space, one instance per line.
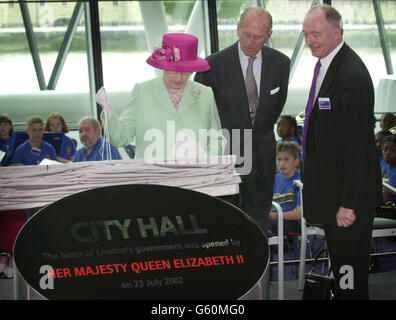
5 128
286 164
387 122
55 125
284 129
389 151
35 132
378 141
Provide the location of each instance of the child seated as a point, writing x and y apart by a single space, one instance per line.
389 152
56 123
287 129
34 150
388 120
6 132
286 193
379 138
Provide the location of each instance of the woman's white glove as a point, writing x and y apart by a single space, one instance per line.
103 99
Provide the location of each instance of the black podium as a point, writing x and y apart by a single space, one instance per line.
140 242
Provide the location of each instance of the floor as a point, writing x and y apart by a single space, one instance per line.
382 287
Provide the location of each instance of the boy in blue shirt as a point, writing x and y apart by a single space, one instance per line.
94 149
286 193
6 132
34 150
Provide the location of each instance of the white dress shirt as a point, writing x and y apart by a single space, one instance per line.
325 65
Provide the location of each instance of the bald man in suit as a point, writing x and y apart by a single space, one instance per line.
254 142
342 177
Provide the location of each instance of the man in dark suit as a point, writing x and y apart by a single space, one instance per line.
250 124
342 178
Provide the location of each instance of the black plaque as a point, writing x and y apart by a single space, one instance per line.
141 242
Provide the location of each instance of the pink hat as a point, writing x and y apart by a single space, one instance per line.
178 53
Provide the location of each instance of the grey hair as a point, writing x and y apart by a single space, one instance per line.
257 11
333 17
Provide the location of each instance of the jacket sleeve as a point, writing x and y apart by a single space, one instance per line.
122 129
357 100
216 146
207 78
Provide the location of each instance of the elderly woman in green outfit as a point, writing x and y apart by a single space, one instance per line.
171 116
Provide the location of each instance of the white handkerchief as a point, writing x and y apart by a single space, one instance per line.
46 161
103 99
273 91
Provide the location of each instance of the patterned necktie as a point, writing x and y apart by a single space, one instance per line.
310 104
251 89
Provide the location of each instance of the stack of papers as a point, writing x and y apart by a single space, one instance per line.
35 186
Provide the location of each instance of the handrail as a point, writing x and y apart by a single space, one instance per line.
280 251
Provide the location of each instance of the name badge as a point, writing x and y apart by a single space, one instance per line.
324 103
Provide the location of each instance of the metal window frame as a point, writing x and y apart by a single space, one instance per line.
94 50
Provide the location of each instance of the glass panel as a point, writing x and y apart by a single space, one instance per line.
228 13
20 94
49 22
287 16
389 14
361 34
124 47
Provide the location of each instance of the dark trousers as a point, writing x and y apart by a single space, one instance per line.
256 204
351 247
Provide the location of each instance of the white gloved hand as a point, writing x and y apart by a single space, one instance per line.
104 101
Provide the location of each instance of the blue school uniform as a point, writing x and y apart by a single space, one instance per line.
283 186
391 175
6 146
96 154
384 166
68 150
27 155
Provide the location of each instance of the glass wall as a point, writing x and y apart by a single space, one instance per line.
361 32
43 61
50 67
48 22
388 9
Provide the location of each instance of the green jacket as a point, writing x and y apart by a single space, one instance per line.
151 121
